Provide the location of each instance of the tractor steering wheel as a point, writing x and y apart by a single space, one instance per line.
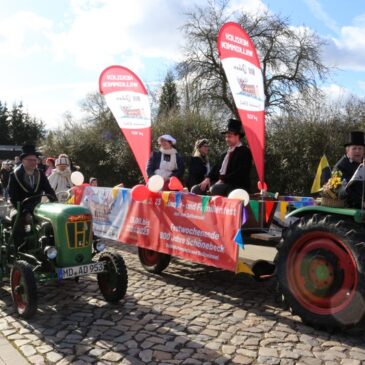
26 200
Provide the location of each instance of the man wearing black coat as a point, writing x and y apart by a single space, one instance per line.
349 163
27 181
234 166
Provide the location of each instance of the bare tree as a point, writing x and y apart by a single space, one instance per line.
290 57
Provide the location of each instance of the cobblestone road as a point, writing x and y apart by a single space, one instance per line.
189 315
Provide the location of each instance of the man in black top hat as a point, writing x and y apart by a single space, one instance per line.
234 166
349 163
27 181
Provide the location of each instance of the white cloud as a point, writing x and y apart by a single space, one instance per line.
334 92
248 6
102 32
347 51
21 34
113 29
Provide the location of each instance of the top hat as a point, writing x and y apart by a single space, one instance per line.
28 150
234 126
356 139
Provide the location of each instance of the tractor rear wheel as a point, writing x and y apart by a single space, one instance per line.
113 282
321 271
23 289
153 261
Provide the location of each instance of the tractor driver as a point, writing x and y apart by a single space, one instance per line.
349 163
27 181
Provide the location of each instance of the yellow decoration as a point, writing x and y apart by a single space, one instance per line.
244 268
333 185
165 196
115 191
322 167
283 209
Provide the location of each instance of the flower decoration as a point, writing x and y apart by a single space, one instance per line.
334 185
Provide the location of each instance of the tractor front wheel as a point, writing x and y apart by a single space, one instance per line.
113 282
153 261
23 289
321 271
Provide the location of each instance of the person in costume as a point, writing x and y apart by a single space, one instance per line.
348 164
60 179
50 162
199 166
27 181
233 168
93 181
166 162
4 178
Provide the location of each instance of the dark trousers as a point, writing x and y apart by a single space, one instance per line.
218 188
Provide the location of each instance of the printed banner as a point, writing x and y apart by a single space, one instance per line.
242 68
108 208
127 99
182 225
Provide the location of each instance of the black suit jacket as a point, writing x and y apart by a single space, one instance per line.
347 167
20 190
197 171
355 190
238 169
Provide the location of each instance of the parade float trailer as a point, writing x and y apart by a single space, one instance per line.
315 252
58 245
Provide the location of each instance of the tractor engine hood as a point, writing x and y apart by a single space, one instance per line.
72 228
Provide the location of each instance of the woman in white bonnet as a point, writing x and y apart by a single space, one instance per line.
166 162
60 179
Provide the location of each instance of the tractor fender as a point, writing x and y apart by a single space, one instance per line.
356 214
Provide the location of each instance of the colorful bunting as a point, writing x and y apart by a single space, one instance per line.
239 239
205 201
269 206
297 205
244 215
165 196
254 205
283 209
124 194
178 199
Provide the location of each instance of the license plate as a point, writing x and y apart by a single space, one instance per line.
75 271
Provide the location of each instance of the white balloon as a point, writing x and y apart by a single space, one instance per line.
77 178
240 194
155 183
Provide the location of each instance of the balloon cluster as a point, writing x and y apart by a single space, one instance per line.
155 184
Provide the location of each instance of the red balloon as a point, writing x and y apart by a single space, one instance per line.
261 187
140 192
175 184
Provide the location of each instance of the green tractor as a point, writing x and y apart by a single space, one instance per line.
320 266
58 244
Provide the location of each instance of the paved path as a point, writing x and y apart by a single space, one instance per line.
9 355
190 315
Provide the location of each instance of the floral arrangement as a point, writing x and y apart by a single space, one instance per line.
334 185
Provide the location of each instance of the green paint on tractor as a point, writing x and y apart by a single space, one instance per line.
72 228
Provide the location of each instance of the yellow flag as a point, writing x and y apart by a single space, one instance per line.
322 175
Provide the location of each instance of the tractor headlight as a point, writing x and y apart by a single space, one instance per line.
51 252
99 246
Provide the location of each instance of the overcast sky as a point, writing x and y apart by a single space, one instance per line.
52 52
